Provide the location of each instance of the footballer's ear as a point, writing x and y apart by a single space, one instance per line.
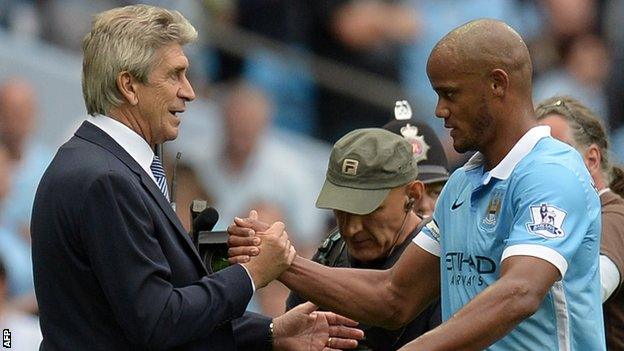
499 82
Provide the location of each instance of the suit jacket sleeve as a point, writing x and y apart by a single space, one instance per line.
118 230
251 332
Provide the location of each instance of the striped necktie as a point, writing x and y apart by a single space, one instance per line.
159 174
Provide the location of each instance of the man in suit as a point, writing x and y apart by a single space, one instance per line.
113 267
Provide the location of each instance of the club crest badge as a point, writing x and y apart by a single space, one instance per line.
547 221
493 209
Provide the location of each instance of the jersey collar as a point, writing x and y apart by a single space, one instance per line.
522 148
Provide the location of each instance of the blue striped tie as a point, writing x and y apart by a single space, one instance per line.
159 174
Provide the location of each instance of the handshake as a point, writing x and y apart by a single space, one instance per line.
266 252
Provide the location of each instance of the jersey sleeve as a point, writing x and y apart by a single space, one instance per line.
555 212
429 237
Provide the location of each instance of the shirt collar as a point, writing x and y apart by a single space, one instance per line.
129 140
522 148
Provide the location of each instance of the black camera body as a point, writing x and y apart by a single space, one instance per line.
213 249
211 245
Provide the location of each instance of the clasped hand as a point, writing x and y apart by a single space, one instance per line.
302 328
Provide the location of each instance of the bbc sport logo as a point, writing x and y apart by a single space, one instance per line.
6 338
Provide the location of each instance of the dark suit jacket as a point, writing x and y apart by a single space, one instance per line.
115 270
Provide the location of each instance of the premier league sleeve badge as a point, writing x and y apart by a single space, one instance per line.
547 221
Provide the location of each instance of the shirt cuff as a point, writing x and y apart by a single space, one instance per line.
253 286
539 251
609 277
427 243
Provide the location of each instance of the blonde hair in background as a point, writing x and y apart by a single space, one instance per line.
125 39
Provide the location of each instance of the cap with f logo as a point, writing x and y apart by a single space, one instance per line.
363 167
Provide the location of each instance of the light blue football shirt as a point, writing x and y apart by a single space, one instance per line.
538 201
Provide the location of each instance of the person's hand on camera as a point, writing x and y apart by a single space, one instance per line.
276 253
305 329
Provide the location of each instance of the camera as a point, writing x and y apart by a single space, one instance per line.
212 245
213 250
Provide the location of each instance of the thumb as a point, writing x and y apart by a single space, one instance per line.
277 227
253 214
306 308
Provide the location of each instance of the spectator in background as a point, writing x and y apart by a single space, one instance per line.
13 249
250 165
570 18
615 86
24 328
583 74
6 168
576 125
18 121
288 83
362 34
29 158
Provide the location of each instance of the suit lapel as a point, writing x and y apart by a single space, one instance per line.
97 136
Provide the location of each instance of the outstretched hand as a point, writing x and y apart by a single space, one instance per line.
305 329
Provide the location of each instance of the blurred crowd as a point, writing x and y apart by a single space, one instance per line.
281 81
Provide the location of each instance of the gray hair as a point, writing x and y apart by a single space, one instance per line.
125 39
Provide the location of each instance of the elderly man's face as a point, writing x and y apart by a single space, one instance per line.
371 236
164 96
